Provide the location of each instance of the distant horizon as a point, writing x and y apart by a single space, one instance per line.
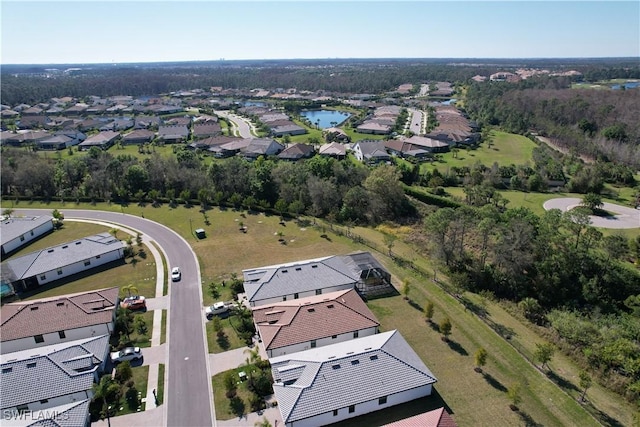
578 58
124 32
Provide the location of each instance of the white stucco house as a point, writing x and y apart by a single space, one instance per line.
318 276
54 263
54 375
329 384
316 321
16 232
39 323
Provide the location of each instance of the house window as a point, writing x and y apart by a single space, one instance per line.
313 344
355 334
333 337
43 401
352 409
335 412
87 262
31 365
382 400
22 408
38 338
318 291
22 238
295 296
59 272
284 298
43 277
32 232
97 256
6 370
62 335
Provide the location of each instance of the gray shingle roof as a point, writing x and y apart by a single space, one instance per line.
59 256
300 276
69 415
14 227
344 374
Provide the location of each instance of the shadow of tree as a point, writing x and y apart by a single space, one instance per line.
494 382
607 420
434 326
562 382
453 345
415 305
528 421
223 341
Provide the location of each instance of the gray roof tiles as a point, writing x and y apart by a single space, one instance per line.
60 256
347 373
14 227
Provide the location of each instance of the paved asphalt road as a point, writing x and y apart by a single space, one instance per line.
624 217
240 122
188 393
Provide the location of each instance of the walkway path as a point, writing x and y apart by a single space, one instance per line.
624 217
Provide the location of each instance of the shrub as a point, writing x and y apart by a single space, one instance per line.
131 397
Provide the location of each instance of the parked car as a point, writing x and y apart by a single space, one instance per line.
134 302
175 274
216 310
127 353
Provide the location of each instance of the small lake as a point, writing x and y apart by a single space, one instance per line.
627 85
325 117
254 104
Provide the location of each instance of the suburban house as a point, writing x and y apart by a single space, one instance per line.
289 129
39 323
374 128
333 149
102 140
262 147
430 145
401 148
56 142
297 325
299 279
205 130
370 151
17 232
54 263
173 133
59 374
328 384
436 418
138 136
230 148
297 152
335 135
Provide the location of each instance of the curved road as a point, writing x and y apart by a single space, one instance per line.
624 217
188 393
241 124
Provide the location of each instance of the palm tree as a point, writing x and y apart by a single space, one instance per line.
131 289
254 356
101 390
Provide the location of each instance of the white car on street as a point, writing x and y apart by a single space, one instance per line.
175 274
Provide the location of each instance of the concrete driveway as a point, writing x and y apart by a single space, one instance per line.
624 217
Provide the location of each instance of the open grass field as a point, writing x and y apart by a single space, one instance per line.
506 149
232 340
474 399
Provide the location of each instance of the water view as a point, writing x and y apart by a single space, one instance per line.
627 85
325 118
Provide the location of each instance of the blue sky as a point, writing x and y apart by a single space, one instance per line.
121 31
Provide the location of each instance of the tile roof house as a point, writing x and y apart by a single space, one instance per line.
102 140
50 264
261 147
436 418
37 323
374 128
60 374
145 122
69 415
329 384
334 149
205 130
56 142
230 148
299 279
173 133
213 141
288 129
370 151
138 136
16 232
297 325
297 152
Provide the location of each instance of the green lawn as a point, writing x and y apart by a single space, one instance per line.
140 378
163 331
160 391
232 342
143 340
221 401
506 149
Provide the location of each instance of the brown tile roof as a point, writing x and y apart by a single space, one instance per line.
435 418
305 319
39 317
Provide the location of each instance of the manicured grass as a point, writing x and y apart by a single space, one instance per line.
143 340
221 401
506 149
160 391
165 285
233 341
165 150
163 330
357 136
140 378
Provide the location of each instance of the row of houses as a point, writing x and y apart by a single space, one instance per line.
279 123
328 359
53 350
382 121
